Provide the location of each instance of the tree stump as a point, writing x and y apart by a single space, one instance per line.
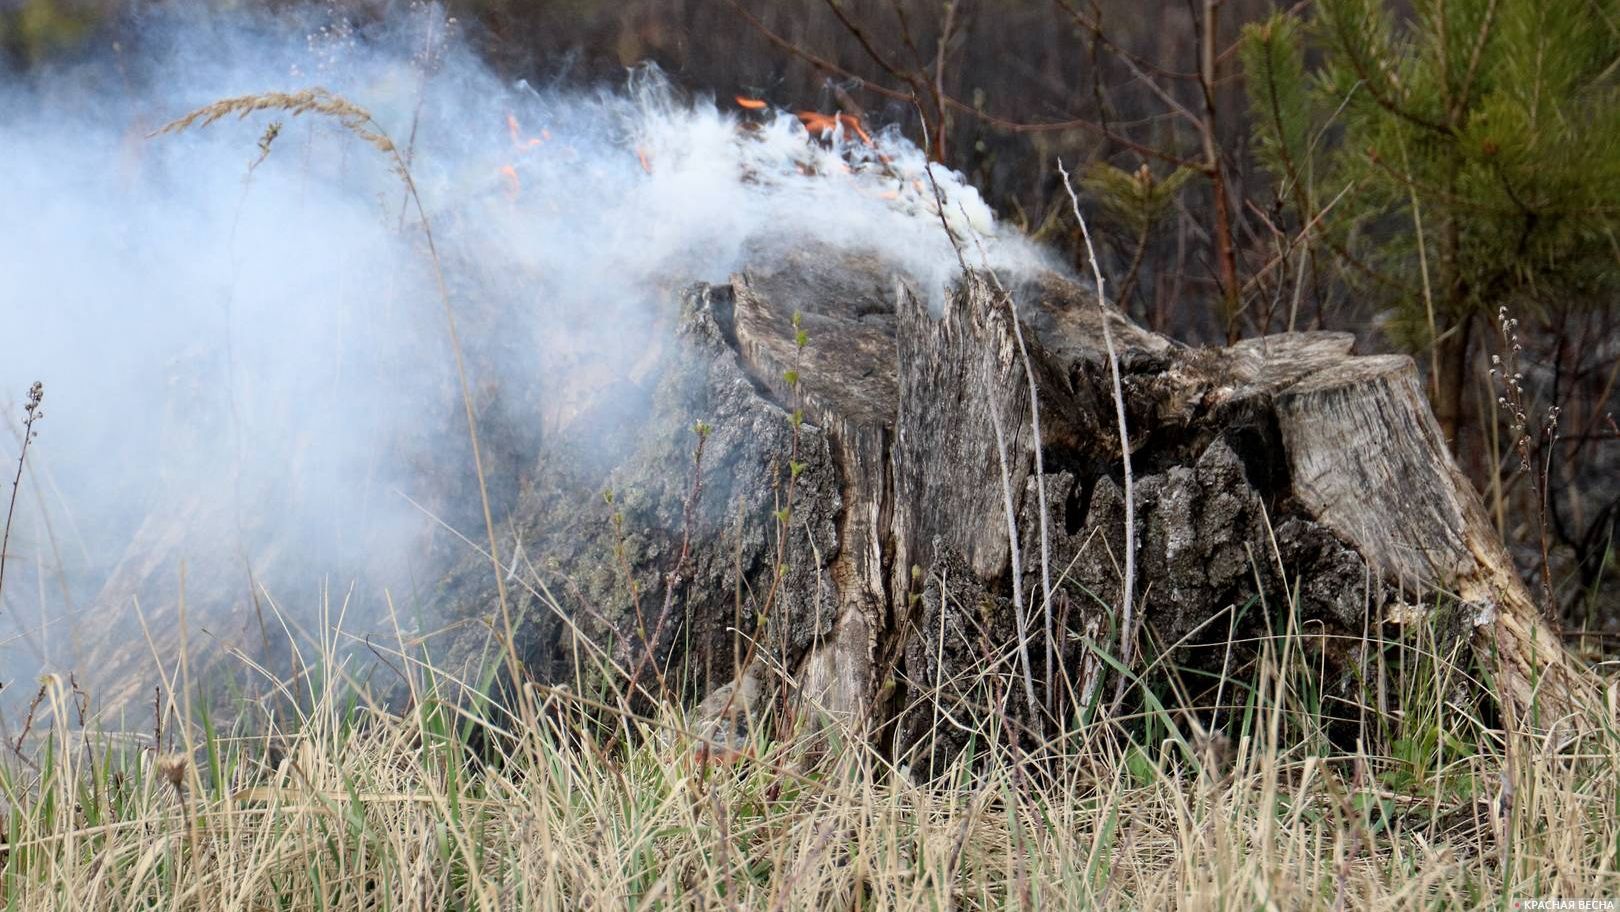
861 556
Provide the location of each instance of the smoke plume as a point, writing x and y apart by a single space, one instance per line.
238 326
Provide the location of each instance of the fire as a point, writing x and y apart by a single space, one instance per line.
516 132
821 124
523 144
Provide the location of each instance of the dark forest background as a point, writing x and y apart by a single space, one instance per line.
1441 177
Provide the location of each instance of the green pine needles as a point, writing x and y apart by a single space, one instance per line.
1480 144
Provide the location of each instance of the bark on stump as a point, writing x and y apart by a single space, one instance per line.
1280 475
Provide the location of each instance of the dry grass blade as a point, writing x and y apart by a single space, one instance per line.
352 117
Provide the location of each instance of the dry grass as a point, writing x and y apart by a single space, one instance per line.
338 805
350 116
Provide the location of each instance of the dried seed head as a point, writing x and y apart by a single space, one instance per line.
172 768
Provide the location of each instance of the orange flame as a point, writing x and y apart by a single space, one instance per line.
819 123
513 185
752 104
516 133
646 162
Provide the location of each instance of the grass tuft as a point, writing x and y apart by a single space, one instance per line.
330 802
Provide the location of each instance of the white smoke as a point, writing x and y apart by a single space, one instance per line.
253 344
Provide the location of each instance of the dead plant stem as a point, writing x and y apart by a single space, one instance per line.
1127 633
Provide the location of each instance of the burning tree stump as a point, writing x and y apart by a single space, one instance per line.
863 555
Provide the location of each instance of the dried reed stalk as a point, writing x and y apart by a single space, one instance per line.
359 122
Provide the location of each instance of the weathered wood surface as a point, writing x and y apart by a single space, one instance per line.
1281 483
1278 475
1368 458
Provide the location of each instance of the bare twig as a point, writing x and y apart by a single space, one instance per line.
1040 474
1215 168
1001 454
28 722
1019 612
1506 367
951 103
1127 633
32 411
675 578
1040 491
